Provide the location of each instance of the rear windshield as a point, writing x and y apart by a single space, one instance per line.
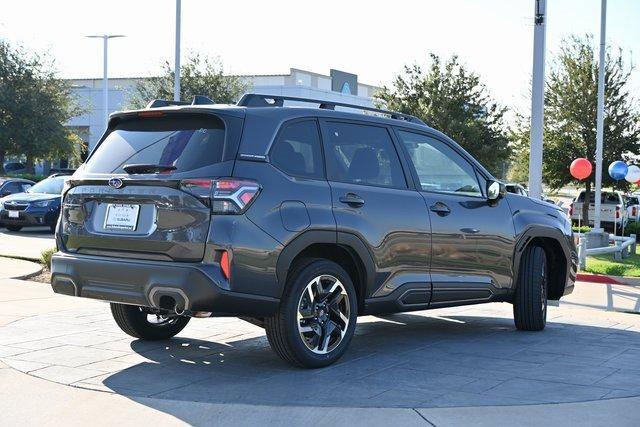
605 198
187 143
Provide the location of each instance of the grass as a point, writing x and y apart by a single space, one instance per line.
605 264
45 257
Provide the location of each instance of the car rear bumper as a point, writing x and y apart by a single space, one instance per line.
194 286
27 218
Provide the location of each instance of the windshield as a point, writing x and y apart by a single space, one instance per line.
606 198
49 185
187 143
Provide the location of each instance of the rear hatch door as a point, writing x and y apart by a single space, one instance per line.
150 212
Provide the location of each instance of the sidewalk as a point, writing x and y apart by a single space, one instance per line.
27 243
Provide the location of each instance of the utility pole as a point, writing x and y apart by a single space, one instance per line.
105 79
176 68
600 114
537 100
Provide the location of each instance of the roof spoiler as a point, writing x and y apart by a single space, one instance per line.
258 100
197 100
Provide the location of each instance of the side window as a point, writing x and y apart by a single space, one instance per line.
439 167
362 154
13 187
297 150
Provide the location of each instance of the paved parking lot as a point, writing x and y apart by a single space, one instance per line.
451 357
27 243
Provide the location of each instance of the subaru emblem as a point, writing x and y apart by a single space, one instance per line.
115 182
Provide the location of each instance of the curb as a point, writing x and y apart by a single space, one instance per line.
609 280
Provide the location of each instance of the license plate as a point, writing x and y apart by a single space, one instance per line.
121 217
14 214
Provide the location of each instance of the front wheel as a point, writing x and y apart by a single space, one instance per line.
530 303
140 322
317 315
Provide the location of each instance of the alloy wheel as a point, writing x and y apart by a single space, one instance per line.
323 314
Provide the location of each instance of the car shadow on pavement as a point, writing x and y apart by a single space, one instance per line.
397 361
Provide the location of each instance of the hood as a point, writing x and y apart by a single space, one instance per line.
30 197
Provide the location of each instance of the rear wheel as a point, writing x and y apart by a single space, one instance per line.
14 227
530 303
140 322
317 315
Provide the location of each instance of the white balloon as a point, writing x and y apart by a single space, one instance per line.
633 174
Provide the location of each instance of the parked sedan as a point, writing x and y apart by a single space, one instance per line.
38 206
10 185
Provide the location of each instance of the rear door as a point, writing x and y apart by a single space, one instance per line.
373 201
159 214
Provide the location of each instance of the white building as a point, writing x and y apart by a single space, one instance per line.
338 86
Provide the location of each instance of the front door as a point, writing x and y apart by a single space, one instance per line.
372 200
472 239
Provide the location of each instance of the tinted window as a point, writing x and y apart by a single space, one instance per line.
362 154
186 143
606 198
297 151
12 187
439 167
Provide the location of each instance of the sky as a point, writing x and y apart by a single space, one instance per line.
373 39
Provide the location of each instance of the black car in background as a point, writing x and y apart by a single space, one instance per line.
37 206
9 185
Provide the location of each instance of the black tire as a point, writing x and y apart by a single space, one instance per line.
134 321
283 331
530 302
14 227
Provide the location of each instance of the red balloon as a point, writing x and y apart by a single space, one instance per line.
580 168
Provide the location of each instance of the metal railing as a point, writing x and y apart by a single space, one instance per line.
622 248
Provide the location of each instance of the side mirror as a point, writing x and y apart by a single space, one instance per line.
495 190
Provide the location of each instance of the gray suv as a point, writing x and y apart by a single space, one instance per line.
298 220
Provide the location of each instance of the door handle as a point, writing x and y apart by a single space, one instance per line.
470 230
352 199
440 208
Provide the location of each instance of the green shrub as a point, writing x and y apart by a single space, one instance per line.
632 228
29 176
45 257
581 229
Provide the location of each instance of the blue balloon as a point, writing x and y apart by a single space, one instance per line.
618 170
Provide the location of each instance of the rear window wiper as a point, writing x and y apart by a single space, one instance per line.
131 169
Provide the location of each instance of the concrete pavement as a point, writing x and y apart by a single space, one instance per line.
27 243
399 370
11 268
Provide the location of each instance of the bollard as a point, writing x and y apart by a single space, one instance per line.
633 245
582 253
617 255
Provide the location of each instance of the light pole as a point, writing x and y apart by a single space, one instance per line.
105 82
537 100
176 73
600 113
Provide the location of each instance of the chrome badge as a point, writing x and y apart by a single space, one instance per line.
116 183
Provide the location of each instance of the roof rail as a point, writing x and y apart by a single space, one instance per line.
197 100
260 100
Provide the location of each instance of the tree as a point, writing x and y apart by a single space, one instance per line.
570 116
34 106
199 75
453 100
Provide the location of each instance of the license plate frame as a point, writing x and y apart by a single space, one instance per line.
14 214
121 216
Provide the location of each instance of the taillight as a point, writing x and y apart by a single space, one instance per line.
634 211
224 195
617 212
570 210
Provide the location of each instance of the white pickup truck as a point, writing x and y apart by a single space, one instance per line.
613 211
633 207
